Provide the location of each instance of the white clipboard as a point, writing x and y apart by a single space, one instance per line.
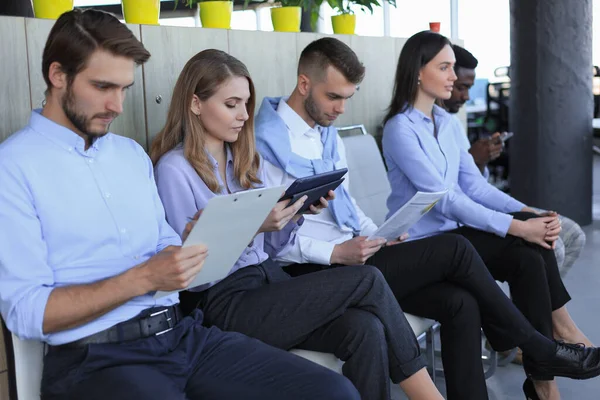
226 226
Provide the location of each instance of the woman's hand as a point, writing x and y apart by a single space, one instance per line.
281 215
537 230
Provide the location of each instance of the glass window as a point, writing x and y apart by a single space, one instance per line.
244 20
410 17
181 21
484 26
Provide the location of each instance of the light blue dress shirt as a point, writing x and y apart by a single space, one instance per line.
183 193
70 216
418 161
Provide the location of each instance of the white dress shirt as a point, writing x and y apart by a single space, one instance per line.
319 234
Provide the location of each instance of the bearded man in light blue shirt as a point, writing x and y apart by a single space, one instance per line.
84 246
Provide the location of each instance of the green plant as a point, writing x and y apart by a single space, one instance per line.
190 3
343 6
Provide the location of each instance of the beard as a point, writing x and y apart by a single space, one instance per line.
312 109
81 121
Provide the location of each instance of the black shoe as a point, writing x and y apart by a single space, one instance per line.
573 361
529 390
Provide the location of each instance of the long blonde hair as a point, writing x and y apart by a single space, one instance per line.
202 76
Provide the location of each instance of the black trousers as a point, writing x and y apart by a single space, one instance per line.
443 278
349 312
191 362
530 270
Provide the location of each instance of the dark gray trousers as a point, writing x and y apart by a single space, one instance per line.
350 312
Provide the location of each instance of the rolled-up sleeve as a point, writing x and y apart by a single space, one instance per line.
26 279
402 146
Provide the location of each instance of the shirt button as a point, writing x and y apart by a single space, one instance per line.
91 160
70 149
136 257
123 230
107 195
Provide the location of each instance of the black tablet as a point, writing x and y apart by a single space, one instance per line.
314 194
314 181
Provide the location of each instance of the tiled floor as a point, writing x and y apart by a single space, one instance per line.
583 282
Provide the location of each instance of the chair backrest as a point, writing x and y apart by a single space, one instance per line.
368 178
29 363
352 130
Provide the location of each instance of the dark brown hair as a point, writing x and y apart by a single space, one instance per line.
328 51
202 76
418 50
77 34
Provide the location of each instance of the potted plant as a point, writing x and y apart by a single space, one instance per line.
51 9
345 20
288 16
141 11
213 13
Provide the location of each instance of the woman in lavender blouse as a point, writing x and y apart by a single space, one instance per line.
421 145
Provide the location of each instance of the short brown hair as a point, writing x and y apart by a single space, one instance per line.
328 51
77 34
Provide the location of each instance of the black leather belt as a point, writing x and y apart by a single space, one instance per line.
151 322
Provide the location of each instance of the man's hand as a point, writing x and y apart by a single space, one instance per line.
486 150
174 268
323 203
355 251
190 225
401 239
530 210
281 214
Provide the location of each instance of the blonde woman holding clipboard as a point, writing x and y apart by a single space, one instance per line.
207 149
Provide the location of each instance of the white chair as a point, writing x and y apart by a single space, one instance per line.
29 362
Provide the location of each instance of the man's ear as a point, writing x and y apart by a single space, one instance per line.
56 75
303 84
196 106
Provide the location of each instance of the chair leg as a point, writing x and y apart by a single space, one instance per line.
430 353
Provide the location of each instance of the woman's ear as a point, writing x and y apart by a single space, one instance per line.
196 106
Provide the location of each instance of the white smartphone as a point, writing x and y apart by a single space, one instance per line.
504 136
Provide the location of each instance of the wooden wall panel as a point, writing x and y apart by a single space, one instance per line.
15 101
271 60
171 48
375 92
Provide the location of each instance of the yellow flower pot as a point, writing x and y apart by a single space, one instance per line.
216 14
344 23
51 9
286 19
141 11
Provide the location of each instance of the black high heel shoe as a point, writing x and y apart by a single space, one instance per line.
529 390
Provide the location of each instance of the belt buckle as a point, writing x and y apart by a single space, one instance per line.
169 321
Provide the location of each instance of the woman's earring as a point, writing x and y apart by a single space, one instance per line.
418 81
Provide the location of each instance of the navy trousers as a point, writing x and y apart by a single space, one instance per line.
189 362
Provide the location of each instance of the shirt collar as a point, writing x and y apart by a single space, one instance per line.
415 115
297 126
214 162
62 136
